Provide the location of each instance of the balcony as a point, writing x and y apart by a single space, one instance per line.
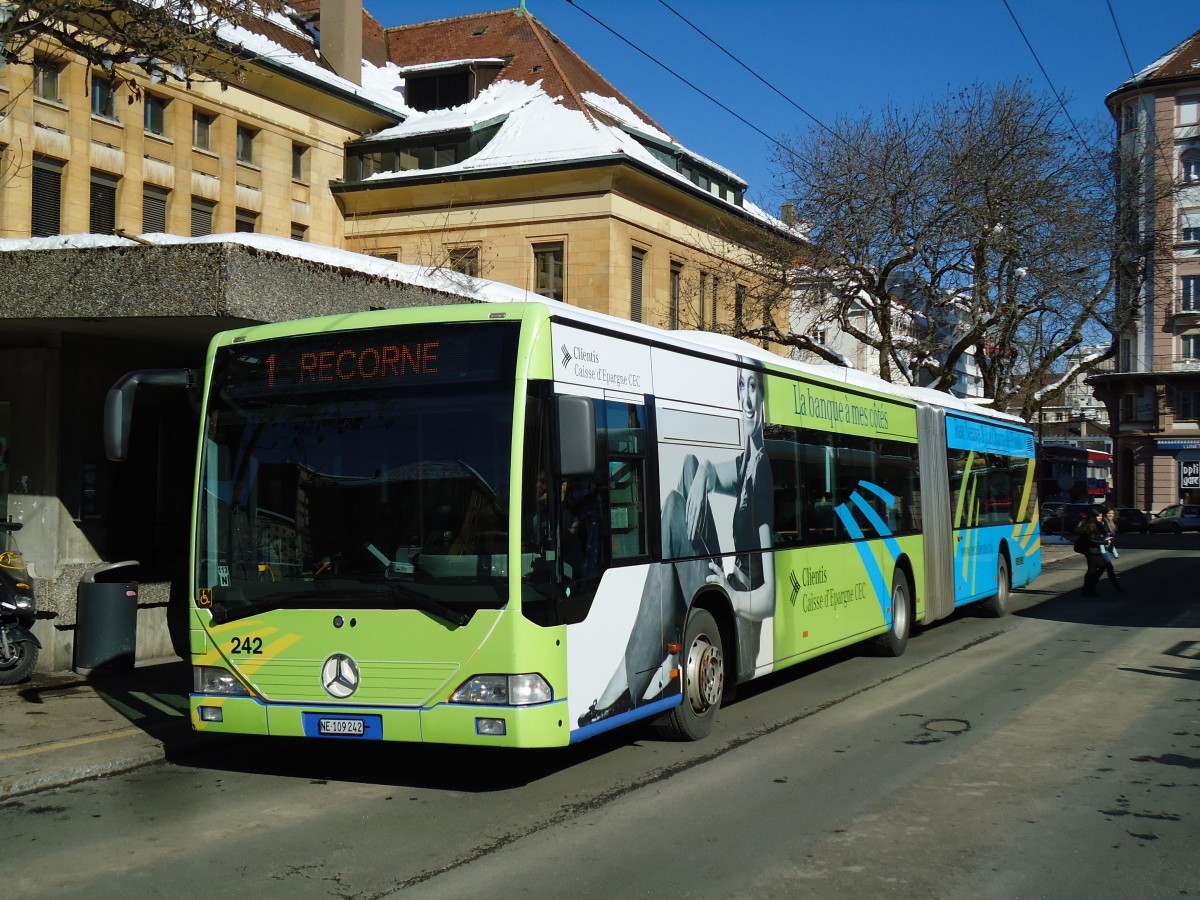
1163 364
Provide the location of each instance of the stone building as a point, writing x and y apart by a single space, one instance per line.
1152 388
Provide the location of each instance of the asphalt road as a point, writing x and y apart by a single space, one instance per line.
1053 753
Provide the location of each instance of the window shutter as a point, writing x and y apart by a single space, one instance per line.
202 213
635 293
102 213
154 211
47 200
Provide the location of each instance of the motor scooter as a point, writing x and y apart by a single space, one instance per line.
18 647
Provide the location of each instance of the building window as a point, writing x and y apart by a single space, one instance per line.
245 144
246 222
154 209
1187 110
47 197
437 91
1125 355
102 211
104 97
636 272
676 293
45 79
1189 162
299 162
1188 405
299 232
739 306
464 260
1128 408
1189 293
202 125
155 114
704 279
202 217
716 285
1189 226
1189 346
1129 116
548 269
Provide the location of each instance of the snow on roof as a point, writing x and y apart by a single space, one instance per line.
538 129
437 279
627 117
383 87
448 64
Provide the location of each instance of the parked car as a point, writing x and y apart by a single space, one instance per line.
1177 518
1063 518
1129 519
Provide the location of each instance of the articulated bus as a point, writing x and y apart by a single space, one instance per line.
523 524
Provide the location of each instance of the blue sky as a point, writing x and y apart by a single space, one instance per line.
836 58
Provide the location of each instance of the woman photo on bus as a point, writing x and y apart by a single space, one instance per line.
690 537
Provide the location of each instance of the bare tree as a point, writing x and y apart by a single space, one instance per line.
176 40
984 225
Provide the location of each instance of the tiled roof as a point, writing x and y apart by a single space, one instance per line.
534 52
1181 62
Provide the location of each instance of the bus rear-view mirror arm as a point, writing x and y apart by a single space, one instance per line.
118 405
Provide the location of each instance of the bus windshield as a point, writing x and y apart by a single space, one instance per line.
359 469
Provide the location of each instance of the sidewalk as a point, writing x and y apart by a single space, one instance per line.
62 728
56 729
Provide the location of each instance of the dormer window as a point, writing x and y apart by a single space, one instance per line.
446 85
434 151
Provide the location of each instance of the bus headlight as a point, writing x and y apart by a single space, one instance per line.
504 690
211 680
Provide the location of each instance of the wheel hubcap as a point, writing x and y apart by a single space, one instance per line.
705 674
899 613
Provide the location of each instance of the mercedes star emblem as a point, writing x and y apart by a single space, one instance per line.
339 676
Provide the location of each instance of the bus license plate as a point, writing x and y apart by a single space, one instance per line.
341 726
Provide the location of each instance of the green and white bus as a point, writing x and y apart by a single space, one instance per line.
523 524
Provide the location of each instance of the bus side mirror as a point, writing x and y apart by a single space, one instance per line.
576 436
118 405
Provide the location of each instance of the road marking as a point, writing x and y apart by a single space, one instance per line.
71 742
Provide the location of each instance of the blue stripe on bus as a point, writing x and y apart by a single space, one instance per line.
877 521
638 712
882 594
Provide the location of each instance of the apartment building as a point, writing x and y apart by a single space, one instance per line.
479 146
1152 387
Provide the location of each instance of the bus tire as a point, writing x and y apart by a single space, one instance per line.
997 605
894 641
703 674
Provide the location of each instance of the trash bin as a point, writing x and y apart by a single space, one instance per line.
106 625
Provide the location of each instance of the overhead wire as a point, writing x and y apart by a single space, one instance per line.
1057 96
786 149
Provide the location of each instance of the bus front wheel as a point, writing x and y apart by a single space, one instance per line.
703 673
894 641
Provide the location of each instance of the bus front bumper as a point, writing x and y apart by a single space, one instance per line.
543 725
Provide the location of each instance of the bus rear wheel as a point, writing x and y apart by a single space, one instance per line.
703 674
997 605
895 640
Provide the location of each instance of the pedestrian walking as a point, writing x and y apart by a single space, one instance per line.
1090 540
1108 521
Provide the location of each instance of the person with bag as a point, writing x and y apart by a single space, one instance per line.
1108 522
1091 541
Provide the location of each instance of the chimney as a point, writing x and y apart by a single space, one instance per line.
788 214
341 37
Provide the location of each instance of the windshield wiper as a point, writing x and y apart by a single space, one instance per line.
427 604
227 613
